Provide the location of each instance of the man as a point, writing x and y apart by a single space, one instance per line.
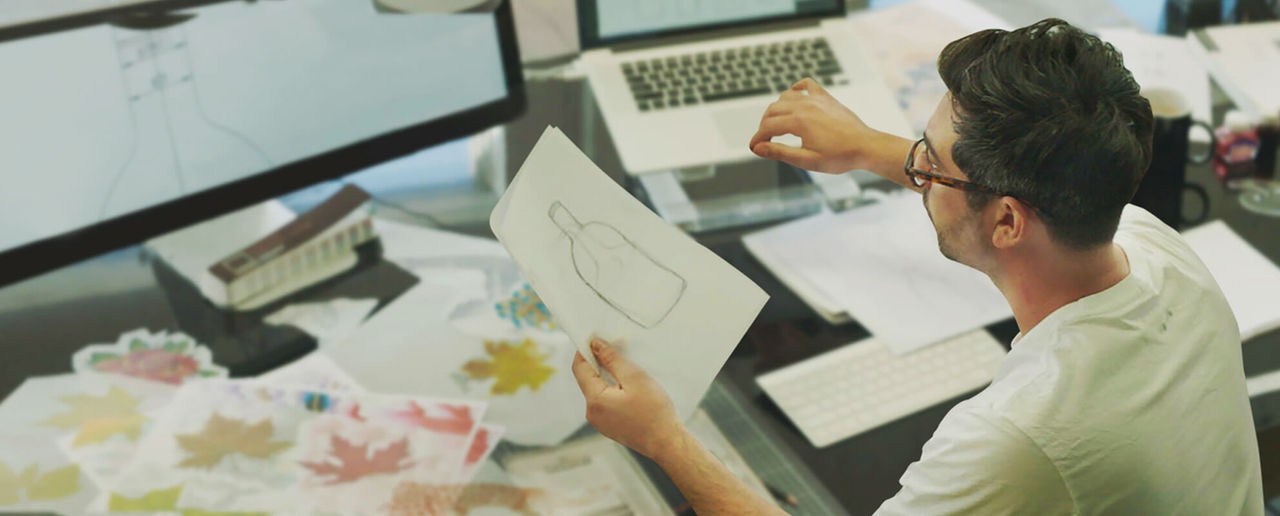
1124 391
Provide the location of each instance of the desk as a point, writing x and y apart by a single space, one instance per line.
46 319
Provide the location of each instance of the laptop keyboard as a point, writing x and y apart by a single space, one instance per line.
732 73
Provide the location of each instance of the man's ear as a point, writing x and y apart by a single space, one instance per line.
1009 223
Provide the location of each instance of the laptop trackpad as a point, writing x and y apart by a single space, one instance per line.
737 125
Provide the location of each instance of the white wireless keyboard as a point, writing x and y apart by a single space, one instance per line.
860 386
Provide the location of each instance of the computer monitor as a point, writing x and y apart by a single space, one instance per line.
149 121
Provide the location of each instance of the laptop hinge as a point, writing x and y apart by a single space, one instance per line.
747 30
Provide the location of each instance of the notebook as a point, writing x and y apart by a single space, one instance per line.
683 84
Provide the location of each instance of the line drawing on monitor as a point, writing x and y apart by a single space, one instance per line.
167 118
119 132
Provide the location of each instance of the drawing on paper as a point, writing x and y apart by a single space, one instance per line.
620 273
513 366
526 310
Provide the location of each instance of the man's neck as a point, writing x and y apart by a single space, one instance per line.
1036 286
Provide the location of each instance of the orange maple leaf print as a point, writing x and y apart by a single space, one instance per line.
354 462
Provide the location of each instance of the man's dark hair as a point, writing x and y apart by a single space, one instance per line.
1050 115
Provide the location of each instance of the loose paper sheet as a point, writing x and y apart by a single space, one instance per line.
881 264
1247 278
314 371
330 322
607 266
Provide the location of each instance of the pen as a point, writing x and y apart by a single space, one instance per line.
782 496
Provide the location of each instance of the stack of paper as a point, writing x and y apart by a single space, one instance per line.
1248 279
880 264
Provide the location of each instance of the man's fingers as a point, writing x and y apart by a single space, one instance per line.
809 85
771 126
611 360
803 158
589 381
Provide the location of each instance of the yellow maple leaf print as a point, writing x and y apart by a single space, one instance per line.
224 436
97 418
513 366
164 500
55 484
158 500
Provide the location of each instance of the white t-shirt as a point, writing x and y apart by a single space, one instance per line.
1128 401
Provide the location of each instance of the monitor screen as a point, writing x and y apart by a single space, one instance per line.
113 133
619 20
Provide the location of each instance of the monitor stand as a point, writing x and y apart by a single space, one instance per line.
247 346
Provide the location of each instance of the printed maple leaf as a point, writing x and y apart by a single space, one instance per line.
355 463
513 366
52 485
97 418
223 436
164 500
157 500
458 420
479 445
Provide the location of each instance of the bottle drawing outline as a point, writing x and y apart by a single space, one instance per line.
618 271
178 147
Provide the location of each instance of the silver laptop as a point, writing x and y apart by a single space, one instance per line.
683 83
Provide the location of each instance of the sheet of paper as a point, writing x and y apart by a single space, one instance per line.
1165 62
329 322
881 264
764 246
314 371
471 328
607 266
905 40
1248 279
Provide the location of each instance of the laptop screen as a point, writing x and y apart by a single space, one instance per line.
603 22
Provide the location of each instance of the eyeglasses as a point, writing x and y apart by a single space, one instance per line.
920 178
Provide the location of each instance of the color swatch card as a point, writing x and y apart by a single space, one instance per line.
248 447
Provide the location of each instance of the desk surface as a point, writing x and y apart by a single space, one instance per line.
46 319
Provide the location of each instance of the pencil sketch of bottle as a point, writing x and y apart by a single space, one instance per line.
619 272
